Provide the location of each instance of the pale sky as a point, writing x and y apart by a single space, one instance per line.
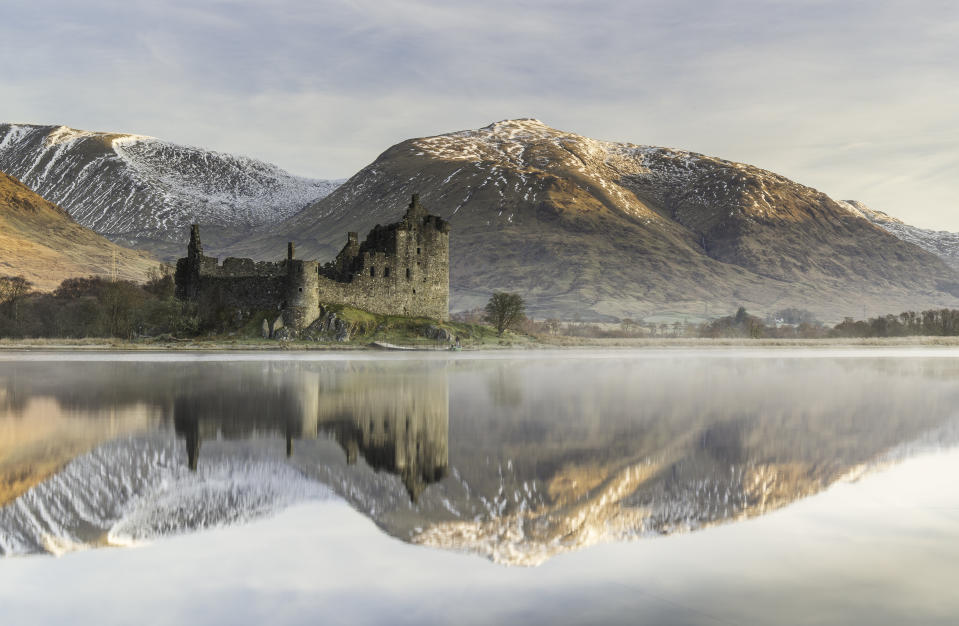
856 98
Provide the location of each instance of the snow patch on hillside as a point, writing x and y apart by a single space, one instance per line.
133 185
943 244
252 192
530 150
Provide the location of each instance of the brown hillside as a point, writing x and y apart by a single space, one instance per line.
603 229
40 241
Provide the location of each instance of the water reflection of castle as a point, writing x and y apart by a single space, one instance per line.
396 422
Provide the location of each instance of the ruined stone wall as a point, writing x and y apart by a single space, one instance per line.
400 269
242 284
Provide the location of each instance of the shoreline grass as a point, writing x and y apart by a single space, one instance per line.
508 342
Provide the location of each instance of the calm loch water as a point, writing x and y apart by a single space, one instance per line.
666 487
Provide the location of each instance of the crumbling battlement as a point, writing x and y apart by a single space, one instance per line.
399 269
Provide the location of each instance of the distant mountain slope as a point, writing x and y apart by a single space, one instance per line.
598 229
942 243
145 192
40 241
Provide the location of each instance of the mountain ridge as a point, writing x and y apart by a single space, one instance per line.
942 243
582 228
605 230
143 191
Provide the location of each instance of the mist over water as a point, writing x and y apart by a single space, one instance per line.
515 459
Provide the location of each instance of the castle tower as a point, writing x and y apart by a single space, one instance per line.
422 252
195 249
343 263
302 293
187 275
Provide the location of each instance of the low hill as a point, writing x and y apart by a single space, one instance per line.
40 241
605 230
144 192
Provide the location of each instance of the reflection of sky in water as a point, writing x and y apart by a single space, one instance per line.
520 460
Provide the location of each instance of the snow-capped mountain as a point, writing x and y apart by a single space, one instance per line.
144 191
942 243
608 230
580 227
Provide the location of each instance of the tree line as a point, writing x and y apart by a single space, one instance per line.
95 307
934 322
790 323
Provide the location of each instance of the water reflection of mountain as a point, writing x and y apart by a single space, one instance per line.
517 460
384 424
613 449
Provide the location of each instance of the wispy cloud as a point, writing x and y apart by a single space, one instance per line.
854 97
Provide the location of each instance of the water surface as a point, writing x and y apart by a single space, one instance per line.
677 486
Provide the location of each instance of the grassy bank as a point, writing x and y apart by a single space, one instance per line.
486 343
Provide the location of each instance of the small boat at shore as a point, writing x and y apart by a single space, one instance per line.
382 345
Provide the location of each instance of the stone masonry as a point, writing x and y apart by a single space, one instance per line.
400 269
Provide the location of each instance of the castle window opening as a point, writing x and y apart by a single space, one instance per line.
301 289
386 273
417 251
407 273
372 271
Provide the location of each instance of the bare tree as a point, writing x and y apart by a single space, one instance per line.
12 290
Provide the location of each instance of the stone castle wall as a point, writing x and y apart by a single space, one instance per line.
236 283
400 269
413 281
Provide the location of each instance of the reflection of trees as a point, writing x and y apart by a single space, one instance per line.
12 402
505 389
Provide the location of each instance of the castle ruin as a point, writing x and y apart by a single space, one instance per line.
399 269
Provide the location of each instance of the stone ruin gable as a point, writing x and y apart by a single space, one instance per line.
399 269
